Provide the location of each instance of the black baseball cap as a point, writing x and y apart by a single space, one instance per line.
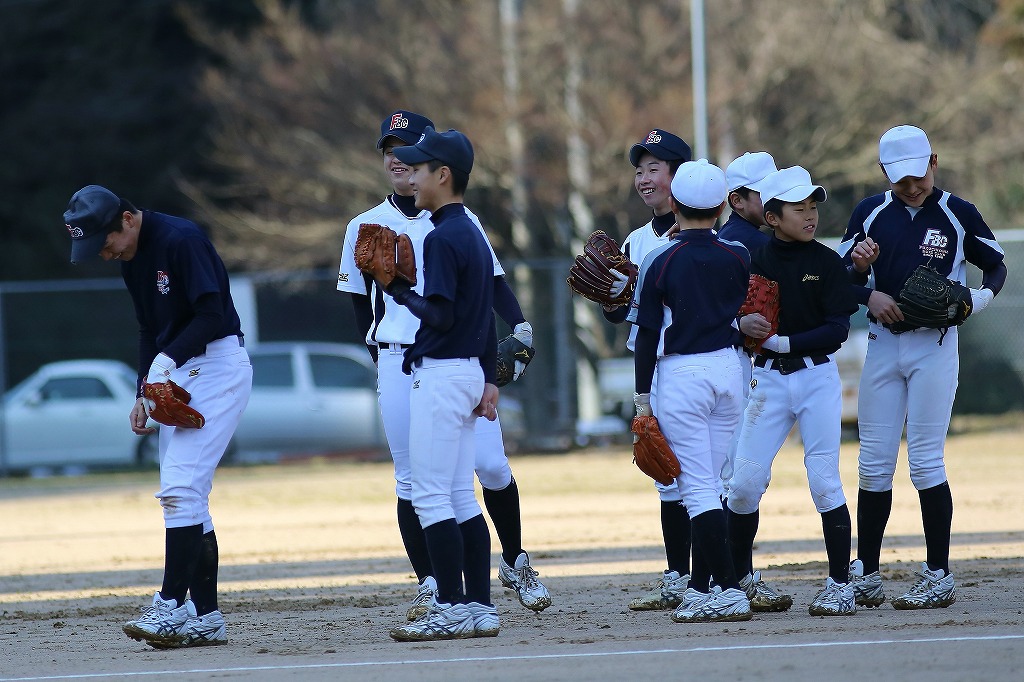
407 126
662 145
451 148
90 213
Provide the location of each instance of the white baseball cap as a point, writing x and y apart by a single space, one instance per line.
790 184
904 152
749 170
699 184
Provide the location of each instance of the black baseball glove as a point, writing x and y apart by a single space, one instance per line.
513 357
932 301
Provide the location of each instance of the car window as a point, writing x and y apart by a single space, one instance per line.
272 369
74 388
331 371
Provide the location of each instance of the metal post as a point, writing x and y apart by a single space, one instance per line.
700 107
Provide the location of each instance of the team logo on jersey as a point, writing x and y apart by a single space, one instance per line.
872 336
76 232
753 384
934 244
398 121
342 277
416 384
810 278
194 372
653 138
163 282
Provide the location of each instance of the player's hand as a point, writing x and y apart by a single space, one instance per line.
755 326
139 418
883 307
673 231
864 253
488 407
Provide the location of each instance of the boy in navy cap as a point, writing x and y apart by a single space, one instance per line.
685 307
389 330
190 333
453 367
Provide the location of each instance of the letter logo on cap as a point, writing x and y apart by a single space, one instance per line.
399 121
423 136
76 232
653 138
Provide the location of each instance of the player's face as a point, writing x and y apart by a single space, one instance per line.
913 191
750 209
653 183
426 186
398 172
121 245
798 221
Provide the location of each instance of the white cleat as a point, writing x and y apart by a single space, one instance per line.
523 579
667 593
426 595
935 590
867 589
837 599
163 622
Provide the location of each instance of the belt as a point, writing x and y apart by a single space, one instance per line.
789 365
394 346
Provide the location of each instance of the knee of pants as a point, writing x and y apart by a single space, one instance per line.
747 485
184 507
403 489
927 475
669 493
465 506
826 490
494 473
432 507
876 477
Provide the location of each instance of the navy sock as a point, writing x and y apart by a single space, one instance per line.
203 589
476 550
675 529
444 542
873 511
503 508
742 531
182 547
711 541
937 516
835 525
413 539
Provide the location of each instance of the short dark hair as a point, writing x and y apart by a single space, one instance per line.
774 206
115 223
691 213
460 180
674 165
744 192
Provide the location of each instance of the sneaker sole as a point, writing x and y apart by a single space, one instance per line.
140 635
730 618
872 602
183 645
662 605
901 605
777 607
825 612
538 605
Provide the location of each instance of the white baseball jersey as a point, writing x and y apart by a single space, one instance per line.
637 246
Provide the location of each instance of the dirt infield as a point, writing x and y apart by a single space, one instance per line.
313 576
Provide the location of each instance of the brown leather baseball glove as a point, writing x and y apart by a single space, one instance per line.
168 402
763 298
602 273
385 255
651 451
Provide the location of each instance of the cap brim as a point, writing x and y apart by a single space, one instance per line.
912 168
406 137
754 186
412 155
802 192
636 151
87 247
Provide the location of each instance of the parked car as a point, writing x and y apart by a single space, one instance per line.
73 414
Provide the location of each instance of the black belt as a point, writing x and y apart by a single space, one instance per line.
789 365
395 346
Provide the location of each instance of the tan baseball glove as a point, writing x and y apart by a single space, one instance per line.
167 403
651 451
763 298
385 255
602 273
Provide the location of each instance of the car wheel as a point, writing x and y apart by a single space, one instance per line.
147 454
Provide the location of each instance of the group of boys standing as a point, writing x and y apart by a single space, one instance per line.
726 414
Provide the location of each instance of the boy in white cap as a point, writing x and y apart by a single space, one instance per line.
685 307
909 376
743 177
795 379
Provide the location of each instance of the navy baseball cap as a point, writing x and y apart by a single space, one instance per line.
662 145
451 148
90 213
405 125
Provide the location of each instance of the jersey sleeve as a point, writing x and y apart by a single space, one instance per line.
439 259
350 279
646 309
980 245
498 270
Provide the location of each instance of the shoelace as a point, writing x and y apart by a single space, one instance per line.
923 585
528 577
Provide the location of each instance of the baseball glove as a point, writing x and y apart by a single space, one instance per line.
930 300
763 298
603 273
168 402
385 255
651 451
512 351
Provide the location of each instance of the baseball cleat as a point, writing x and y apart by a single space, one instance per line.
163 622
205 630
717 607
523 579
836 599
935 590
763 598
667 593
485 619
691 600
425 596
442 621
867 589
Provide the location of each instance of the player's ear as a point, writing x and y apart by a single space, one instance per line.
933 162
771 219
735 200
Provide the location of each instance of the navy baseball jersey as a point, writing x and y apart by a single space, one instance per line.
739 229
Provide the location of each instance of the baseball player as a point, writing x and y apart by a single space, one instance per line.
910 378
795 380
389 330
656 159
453 367
189 333
685 307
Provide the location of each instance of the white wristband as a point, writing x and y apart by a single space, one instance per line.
642 402
160 370
524 332
980 298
